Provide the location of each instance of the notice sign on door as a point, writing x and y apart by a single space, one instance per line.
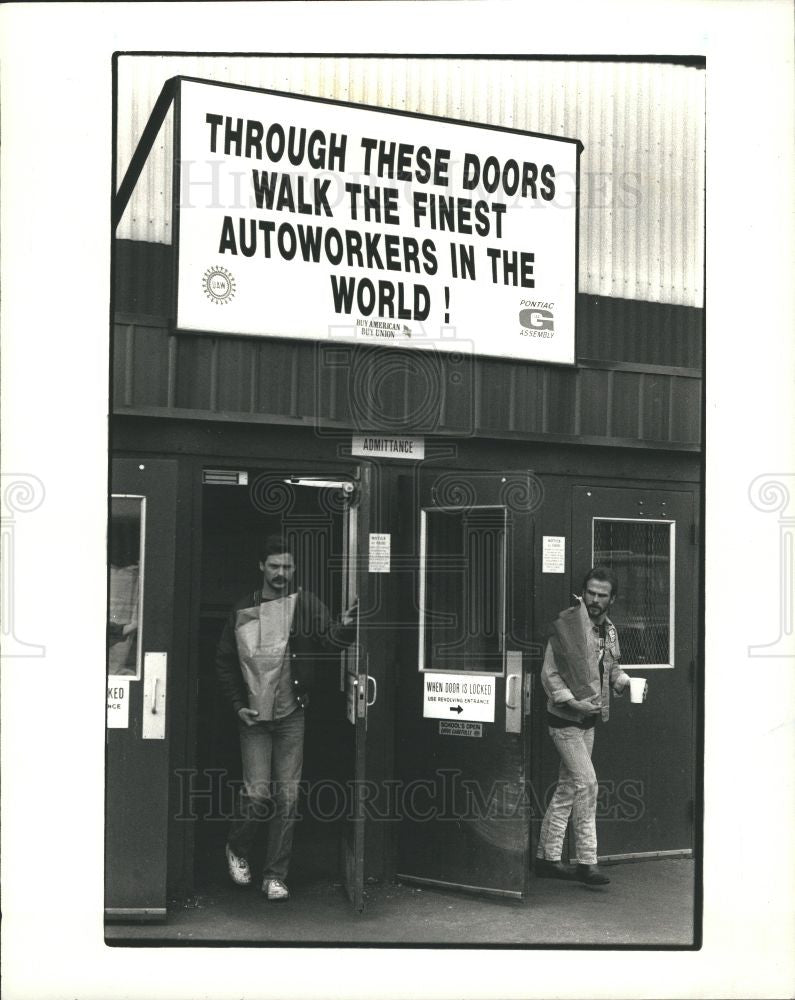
380 549
462 697
118 711
472 729
554 557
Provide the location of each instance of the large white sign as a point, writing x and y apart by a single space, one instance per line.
317 220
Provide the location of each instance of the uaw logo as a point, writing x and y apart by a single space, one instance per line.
537 319
219 285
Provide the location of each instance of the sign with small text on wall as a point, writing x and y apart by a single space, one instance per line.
313 219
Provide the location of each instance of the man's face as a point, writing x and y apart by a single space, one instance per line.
278 571
598 597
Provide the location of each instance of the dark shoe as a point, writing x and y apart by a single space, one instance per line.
591 875
553 869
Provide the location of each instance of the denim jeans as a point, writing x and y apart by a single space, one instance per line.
273 755
574 796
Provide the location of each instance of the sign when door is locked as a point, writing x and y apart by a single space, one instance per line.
465 697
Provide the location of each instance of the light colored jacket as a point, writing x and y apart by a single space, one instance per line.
555 677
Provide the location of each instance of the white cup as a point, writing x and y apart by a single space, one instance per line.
637 690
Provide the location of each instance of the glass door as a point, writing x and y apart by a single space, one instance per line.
645 758
461 715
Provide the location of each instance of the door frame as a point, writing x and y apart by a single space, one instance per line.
193 466
414 521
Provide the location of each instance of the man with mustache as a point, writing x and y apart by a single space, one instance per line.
265 661
581 666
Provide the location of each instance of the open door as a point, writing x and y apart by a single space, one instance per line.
140 615
462 706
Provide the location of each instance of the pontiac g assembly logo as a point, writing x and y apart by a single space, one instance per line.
537 319
218 285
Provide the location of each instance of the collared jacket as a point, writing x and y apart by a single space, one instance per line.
562 681
315 641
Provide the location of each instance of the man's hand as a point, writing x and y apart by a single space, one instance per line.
586 707
348 616
248 715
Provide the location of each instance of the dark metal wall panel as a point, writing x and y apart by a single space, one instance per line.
561 401
594 389
653 333
196 366
528 399
655 406
495 402
685 409
625 404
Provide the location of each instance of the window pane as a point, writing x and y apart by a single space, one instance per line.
640 554
126 585
464 590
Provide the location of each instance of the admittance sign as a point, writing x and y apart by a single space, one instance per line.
318 220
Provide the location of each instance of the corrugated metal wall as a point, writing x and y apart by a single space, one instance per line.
159 373
642 125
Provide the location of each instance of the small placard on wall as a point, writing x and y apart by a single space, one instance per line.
554 558
380 550
118 710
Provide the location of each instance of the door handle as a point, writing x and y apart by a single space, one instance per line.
153 720
513 692
371 701
510 687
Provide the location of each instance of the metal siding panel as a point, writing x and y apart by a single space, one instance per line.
193 388
234 364
150 379
561 401
494 401
685 425
656 412
528 396
593 390
625 404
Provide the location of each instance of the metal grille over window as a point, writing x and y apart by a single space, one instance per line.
641 554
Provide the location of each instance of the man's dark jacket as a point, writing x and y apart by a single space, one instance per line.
315 641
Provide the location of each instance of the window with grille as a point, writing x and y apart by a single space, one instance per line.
641 554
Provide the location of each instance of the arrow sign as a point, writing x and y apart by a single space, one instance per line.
470 697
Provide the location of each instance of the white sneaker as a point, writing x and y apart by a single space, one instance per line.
274 890
239 870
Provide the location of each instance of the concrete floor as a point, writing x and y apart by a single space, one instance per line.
647 903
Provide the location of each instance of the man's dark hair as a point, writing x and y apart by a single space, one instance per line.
605 575
274 545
